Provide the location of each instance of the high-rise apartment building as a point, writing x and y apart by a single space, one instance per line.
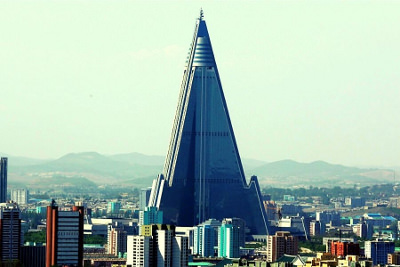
241 226
228 241
281 243
144 197
140 251
64 236
378 250
3 180
204 240
116 239
10 232
203 176
20 196
157 245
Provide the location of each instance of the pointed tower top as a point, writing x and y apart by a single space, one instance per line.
201 17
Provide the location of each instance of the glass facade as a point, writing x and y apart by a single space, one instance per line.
203 175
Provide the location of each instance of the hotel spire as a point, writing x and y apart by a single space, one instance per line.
203 176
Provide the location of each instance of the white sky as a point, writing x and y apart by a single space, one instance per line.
305 80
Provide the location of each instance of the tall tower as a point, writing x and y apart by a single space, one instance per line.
203 175
3 180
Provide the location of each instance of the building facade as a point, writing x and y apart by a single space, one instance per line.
317 228
33 255
64 236
157 245
20 196
228 241
394 258
116 240
378 250
10 232
144 197
342 249
150 215
139 251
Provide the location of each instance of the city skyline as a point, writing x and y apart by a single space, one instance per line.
304 80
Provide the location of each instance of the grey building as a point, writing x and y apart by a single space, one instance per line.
144 198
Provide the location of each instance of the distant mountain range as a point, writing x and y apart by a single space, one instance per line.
138 170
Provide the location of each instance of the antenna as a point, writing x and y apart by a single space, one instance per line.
201 14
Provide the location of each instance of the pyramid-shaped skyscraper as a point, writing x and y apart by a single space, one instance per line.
203 176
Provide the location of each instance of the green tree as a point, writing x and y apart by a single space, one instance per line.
94 239
38 237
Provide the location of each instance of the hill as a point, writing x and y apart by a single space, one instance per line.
138 170
92 166
288 173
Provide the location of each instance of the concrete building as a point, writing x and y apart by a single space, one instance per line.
10 232
327 241
331 217
355 202
317 228
279 244
378 250
394 258
297 225
3 180
203 176
20 196
157 245
363 229
144 197
140 251
64 236
116 240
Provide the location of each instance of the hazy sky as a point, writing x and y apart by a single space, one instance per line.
304 80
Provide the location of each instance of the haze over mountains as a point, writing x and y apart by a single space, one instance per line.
138 170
